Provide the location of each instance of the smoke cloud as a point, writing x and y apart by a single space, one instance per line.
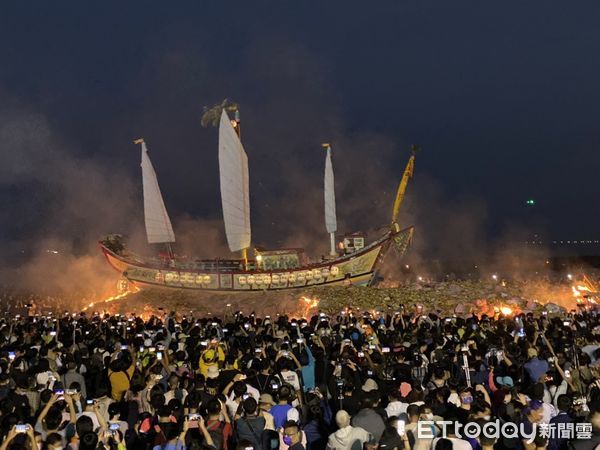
62 197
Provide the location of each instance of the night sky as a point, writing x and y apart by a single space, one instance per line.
503 98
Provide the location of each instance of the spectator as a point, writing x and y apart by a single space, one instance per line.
347 437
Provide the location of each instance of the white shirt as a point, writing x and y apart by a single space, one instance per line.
291 377
395 408
232 404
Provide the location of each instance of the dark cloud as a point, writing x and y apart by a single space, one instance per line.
502 101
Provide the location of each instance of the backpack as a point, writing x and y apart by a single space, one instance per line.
270 440
215 429
258 436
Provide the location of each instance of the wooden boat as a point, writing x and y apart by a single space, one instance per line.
353 261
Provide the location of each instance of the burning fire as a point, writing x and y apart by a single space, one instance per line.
506 310
131 289
307 303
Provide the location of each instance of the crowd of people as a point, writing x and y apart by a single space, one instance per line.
396 381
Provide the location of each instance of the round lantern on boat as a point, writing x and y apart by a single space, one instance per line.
292 277
308 275
206 279
300 276
251 279
169 277
258 279
325 272
275 279
284 277
317 274
199 279
335 270
242 280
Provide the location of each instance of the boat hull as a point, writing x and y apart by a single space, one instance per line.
354 269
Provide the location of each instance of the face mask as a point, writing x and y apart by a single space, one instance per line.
287 440
467 400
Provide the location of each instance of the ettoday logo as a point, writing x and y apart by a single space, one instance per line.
511 430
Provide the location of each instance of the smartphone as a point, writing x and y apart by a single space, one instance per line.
245 396
152 349
124 347
114 426
567 323
246 326
258 350
361 354
89 401
59 392
567 373
22 428
71 391
385 349
192 417
400 427
299 341
53 333
371 347
11 355
275 386
159 356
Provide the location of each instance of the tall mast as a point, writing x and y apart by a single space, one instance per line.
329 194
238 129
234 181
408 173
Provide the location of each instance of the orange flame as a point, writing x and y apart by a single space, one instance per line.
309 303
132 289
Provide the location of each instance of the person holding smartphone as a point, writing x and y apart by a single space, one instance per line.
21 429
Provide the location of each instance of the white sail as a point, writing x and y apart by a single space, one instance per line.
235 193
330 216
158 224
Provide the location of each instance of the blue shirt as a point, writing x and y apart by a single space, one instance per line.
279 413
308 371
